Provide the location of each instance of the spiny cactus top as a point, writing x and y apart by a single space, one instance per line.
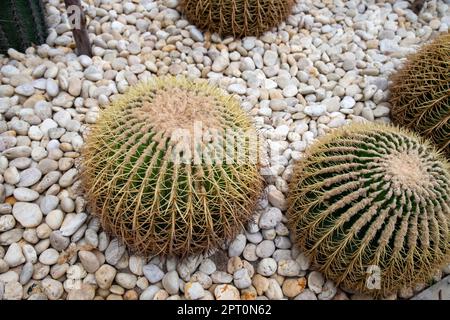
370 205
22 23
420 93
171 167
237 18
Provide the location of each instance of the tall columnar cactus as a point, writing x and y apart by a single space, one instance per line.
238 18
22 23
420 93
171 167
370 205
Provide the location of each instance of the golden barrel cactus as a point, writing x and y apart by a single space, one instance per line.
162 173
420 93
237 18
370 205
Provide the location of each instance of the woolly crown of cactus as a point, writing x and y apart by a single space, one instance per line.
369 204
420 93
162 173
237 18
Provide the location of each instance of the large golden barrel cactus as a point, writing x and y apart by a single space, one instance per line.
162 172
420 92
370 204
237 18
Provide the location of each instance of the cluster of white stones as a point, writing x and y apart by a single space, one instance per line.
326 66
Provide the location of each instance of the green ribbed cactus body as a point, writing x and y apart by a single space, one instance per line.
420 92
155 187
22 23
370 205
237 18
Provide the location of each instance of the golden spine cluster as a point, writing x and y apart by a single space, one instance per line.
372 197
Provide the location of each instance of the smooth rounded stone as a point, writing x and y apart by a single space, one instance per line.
86 292
149 293
276 197
47 181
40 271
10 236
91 237
242 279
136 265
17 152
293 287
67 205
9 276
65 164
58 241
316 110
170 282
315 281
265 249
306 295
49 257
29 253
290 91
68 177
278 105
7 142
30 235
25 89
249 253
25 194
193 291
329 290
29 215
221 277
11 176
267 267
255 237
13 291
52 88
26 273
126 280
237 88
7 222
274 291
62 117
3 266
282 242
48 203
9 71
226 292
282 254
72 223
237 246
153 273
5 208
104 276
54 219
114 252
53 289
59 270
270 58
288 268
348 102
303 261
43 231
94 73
14 255
89 261
381 111
270 218
207 266
220 64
